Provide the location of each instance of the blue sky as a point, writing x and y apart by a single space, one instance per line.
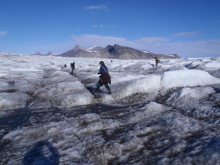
190 28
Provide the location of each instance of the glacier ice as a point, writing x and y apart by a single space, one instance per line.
164 115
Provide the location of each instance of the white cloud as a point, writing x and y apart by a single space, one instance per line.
3 33
186 34
152 40
98 7
100 26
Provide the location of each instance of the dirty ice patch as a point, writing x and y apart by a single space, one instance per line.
62 136
190 97
182 126
13 100
190 78
147 84
3 86
88 118
193 93
148 110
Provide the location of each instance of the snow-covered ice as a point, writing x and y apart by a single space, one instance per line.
164 115
190 78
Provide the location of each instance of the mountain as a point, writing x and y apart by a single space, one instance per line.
78 51
95 48
50 53
124 52
115 52
37 53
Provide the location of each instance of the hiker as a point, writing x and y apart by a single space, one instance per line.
157 61
72 66
105 78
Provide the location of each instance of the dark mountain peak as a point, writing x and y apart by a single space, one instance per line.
77 47
118 49
118 46
111 49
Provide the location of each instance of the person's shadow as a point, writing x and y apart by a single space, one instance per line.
42 153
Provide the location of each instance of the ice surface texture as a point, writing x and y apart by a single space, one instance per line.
164 115
43 79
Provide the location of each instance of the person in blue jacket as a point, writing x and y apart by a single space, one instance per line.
105 78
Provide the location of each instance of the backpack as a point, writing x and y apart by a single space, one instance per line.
107 73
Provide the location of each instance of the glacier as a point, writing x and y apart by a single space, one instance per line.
164 115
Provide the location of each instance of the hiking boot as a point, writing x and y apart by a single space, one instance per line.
109 90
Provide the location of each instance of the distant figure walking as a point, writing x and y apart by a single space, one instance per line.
157 61
105 78
65 66
72 66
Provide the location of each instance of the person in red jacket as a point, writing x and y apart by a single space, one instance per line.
105 78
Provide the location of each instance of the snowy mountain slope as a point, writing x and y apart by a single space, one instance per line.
95 49
164 115
78 51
